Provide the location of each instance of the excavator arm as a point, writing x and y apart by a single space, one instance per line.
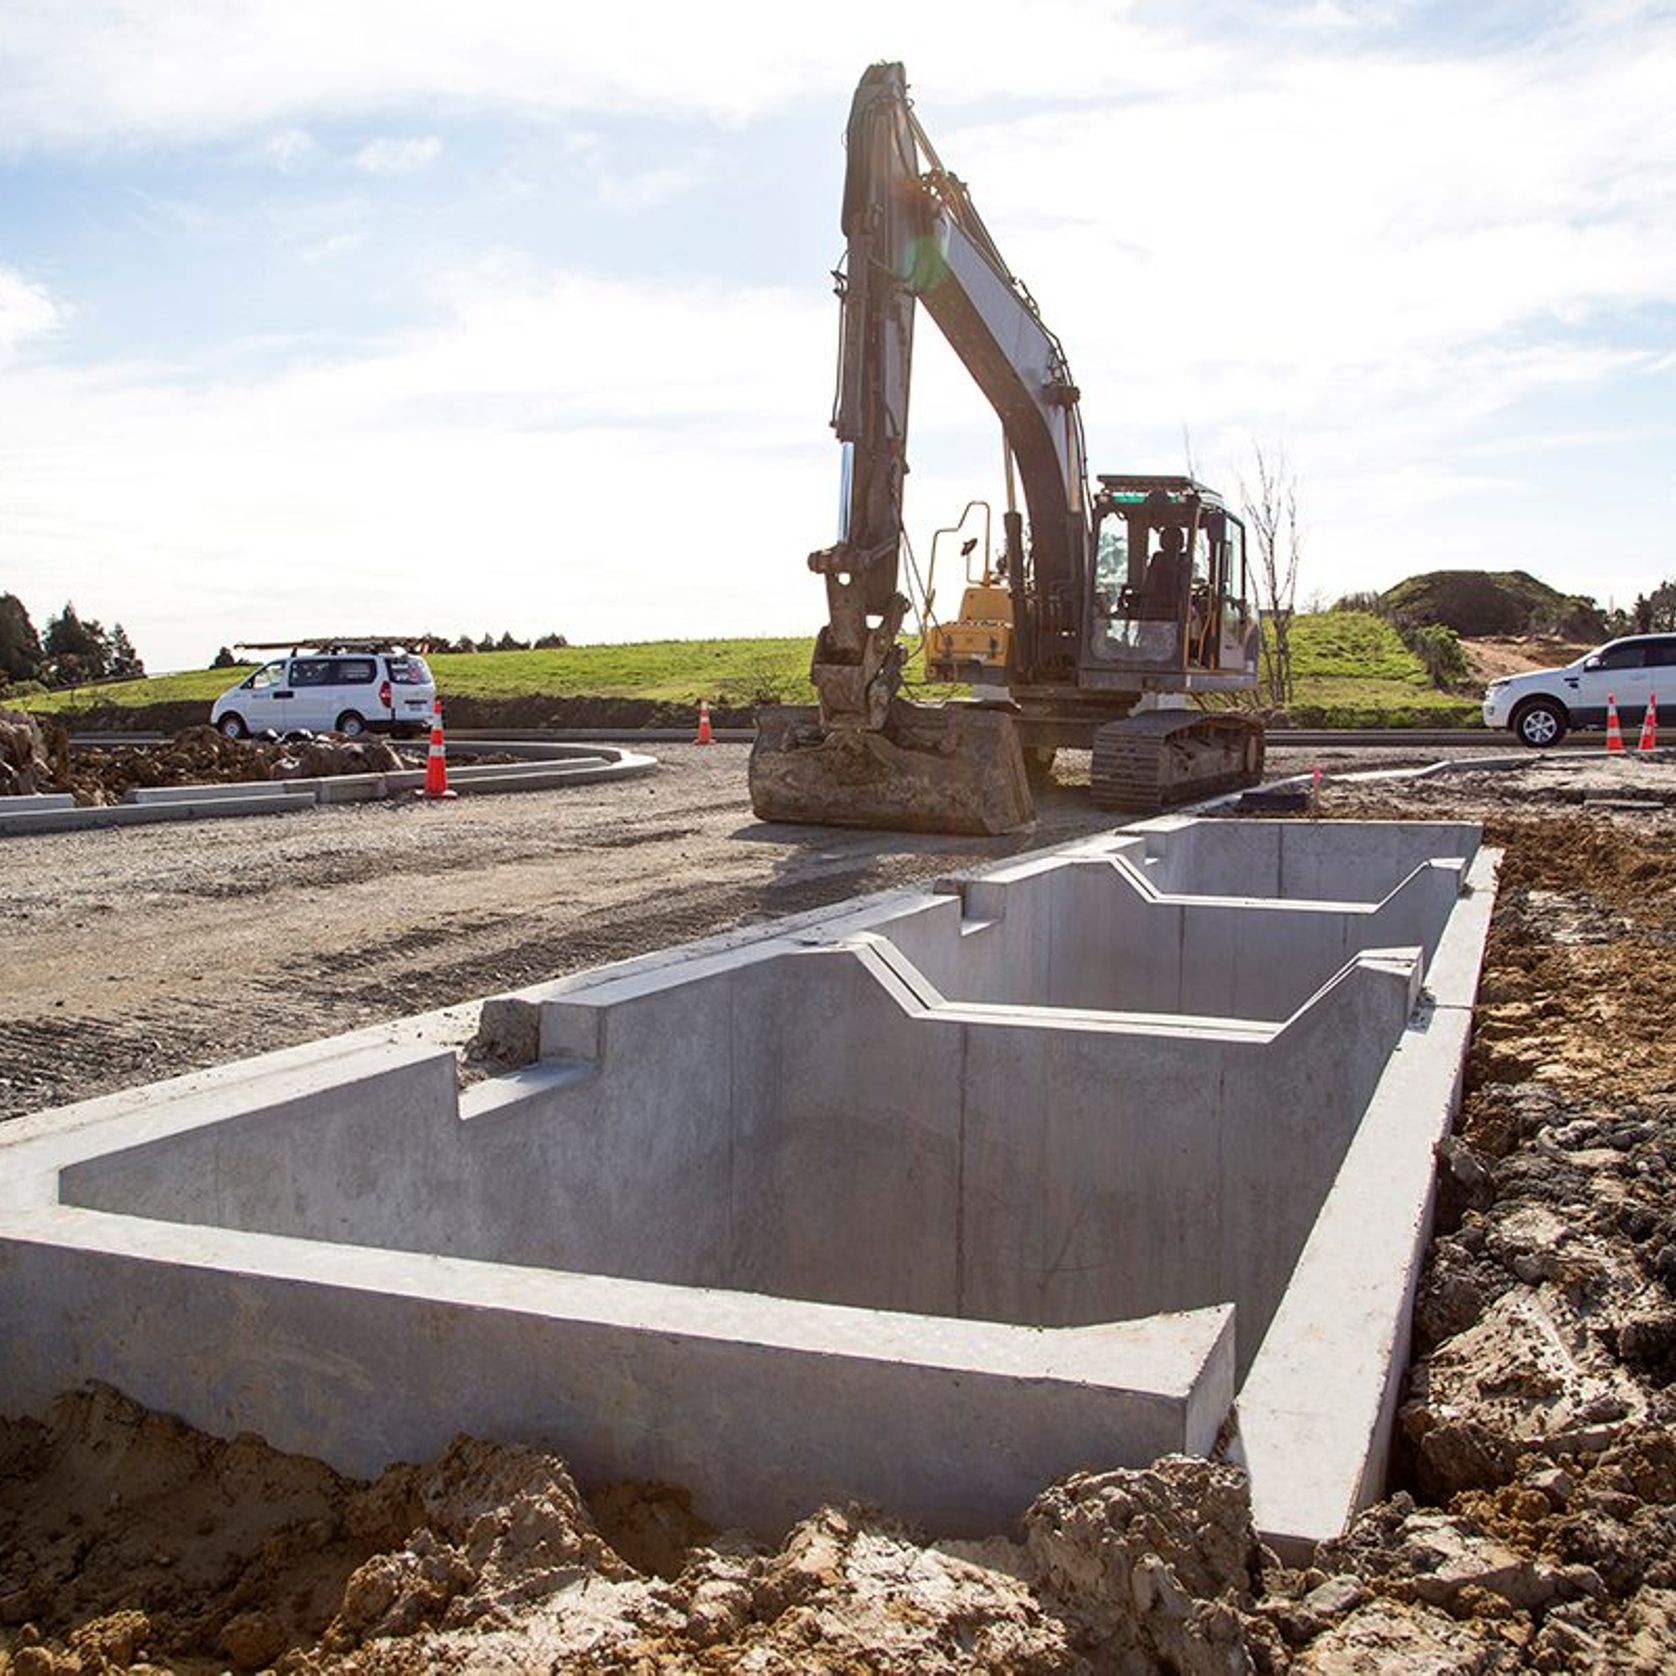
915 235
867 757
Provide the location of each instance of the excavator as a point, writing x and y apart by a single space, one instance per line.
1124 600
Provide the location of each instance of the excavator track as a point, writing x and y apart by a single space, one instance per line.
1155 760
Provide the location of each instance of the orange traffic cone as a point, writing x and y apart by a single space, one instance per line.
436 763
1614 733
1649 740
705 737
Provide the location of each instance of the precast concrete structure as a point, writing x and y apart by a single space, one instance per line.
926 1199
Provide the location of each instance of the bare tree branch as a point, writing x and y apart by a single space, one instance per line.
1276 530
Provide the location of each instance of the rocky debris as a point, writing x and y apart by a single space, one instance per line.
328 754
202 756
1159 1567
1537 1530
31 756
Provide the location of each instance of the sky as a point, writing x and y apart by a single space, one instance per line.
380 316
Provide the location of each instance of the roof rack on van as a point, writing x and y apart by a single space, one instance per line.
340 643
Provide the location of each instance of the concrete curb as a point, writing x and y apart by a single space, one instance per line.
551 766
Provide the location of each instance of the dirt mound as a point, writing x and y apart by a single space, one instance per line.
1493 602
130 1540
585 712
31 756
200 756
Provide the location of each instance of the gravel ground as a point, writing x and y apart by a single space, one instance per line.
142 953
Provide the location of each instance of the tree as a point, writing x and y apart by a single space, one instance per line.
1271 516
549 642
123 662
76 651
21 656
1655 613
223 659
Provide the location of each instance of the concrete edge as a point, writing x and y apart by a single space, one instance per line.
1331 1367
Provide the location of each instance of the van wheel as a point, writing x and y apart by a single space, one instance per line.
231 726
351 724
1539 722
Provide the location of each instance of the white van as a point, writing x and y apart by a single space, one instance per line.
349 692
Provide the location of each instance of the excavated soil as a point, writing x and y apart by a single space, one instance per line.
1534 1526
1489 657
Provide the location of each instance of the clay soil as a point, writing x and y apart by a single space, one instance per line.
1532 1525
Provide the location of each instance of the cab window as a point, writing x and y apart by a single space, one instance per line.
1624 657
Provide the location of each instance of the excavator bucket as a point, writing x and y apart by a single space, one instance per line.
931 768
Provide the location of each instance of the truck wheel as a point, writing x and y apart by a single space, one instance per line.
1539 722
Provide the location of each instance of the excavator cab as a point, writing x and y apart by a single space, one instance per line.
1170 593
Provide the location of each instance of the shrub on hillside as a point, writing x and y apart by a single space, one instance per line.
1439 649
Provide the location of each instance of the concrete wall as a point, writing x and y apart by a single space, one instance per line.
761 1407
818 1123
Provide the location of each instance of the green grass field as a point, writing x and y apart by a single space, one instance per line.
1351 670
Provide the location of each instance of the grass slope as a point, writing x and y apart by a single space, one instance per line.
1351 670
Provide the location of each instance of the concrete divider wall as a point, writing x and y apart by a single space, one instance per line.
1093 932
1326 861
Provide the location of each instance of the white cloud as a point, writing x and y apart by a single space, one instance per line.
190 68
1381 257
398 156
26 311
289 149
597 457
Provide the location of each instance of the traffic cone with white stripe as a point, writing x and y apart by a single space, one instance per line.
436 762
705 736
1614 733
1649 740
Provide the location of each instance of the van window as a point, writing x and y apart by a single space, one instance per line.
269 675
356 672
311 672
408 672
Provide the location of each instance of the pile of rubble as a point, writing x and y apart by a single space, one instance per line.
31 757
202 756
